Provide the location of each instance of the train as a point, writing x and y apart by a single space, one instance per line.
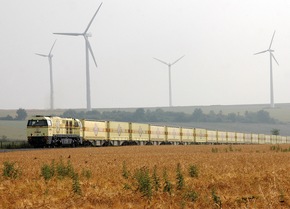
54 131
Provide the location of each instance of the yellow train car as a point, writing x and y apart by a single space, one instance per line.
231 137
118 132
240 138
283 139
199 135
140 133
288 139
222 137
173 135
273 139
187 135
277 139
211 136
248 138
261 138
157 134
268 139
255 138
94 132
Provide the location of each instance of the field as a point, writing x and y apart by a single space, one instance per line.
202 176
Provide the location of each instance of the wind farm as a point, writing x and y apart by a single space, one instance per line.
88 49
178 73
49 56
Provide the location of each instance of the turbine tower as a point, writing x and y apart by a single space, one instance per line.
169 71
271 72
88 49
49 56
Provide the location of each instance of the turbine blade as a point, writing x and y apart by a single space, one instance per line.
92 19
69 34
43 55
272 39
261 52
161 61
177 60
52 47
91 51
274 58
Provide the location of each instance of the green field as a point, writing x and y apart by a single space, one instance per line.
16 130
13 130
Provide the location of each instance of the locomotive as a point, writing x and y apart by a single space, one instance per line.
53 131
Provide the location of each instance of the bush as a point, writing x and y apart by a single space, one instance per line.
10 171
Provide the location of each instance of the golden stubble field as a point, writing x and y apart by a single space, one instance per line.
238 176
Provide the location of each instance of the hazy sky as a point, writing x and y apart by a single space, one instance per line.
217 37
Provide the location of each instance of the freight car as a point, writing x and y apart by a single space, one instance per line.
51 131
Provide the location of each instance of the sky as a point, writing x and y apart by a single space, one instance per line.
217 37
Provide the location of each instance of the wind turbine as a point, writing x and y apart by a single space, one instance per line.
88 49
49 56
271 73
169 71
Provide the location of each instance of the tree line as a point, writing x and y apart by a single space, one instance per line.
21 114
159 115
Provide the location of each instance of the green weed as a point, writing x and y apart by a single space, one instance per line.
179 178
193 171
144 182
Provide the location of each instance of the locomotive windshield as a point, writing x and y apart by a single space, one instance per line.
38 123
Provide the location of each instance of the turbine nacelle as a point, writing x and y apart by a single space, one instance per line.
88 34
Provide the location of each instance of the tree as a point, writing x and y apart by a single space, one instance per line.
263 116
139 115
21 114
275 131
198 116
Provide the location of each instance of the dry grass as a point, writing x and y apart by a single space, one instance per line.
252 176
